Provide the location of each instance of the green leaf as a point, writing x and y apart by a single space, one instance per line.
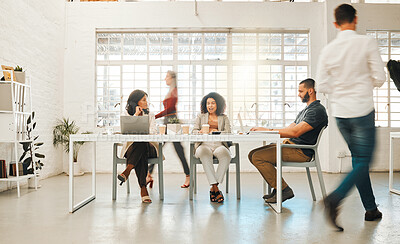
33 115
34 125
26 145
27 161
22 156
29 120
38 155
36 137
38 144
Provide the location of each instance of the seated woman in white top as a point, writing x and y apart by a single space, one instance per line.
137 153
212 113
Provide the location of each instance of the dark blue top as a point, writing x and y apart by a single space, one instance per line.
314 115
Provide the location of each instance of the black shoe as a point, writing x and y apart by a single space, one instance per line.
219 198
331 211
270 195
287 193
373 215
212 196
122 178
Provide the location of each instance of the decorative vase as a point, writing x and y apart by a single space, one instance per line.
20 76
173 129
77 169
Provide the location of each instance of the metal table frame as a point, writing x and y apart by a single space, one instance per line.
392 136
118 138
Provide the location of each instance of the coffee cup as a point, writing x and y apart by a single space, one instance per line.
185 129
161 129
205 128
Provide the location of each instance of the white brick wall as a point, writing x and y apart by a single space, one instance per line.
32 36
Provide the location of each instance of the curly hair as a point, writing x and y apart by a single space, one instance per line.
220 101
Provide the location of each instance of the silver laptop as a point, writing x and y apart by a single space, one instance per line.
135 125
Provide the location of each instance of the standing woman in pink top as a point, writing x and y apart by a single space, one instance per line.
169 112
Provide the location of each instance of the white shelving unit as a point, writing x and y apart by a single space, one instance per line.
15 108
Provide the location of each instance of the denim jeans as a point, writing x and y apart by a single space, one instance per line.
359 134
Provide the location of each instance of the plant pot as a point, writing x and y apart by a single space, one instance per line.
77 169
31 182
20 76
173 129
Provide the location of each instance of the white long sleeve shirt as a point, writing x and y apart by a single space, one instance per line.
349 68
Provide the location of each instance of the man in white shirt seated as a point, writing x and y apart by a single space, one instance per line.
349 68
304 130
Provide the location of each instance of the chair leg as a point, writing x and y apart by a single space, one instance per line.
238 180
320 177
227 181
160 172
192 173
195 178
310 183
114 181
128 186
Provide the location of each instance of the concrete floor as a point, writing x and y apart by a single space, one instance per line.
42 216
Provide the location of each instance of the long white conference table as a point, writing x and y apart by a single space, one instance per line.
269 137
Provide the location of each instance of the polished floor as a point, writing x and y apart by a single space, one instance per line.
42 216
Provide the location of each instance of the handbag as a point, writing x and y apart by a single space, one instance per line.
394 71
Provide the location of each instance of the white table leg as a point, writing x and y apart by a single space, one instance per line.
71 176
391 189
72 207
279 176
94 171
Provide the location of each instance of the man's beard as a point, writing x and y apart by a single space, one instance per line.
306 98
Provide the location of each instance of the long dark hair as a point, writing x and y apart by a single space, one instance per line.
133 100
219 100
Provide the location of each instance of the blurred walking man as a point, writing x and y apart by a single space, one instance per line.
349 68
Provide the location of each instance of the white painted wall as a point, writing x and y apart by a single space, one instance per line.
82 20
32 36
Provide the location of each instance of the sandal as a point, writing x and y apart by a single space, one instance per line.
146 199
149 180
219 198
212 196
122 178
184 184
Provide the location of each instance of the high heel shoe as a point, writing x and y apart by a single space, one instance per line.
122 178
150 182
186 185
146 199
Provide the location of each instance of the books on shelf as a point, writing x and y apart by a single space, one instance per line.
3 170
13 169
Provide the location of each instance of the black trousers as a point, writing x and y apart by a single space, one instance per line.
138 154
178 149
181 154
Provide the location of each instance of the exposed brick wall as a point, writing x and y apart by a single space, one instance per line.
32 36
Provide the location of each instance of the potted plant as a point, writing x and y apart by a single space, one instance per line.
31 158
19 74
61 132
173 126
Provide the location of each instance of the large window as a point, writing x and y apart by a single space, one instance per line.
387 97
257 72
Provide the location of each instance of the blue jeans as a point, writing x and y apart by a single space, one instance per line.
359 134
